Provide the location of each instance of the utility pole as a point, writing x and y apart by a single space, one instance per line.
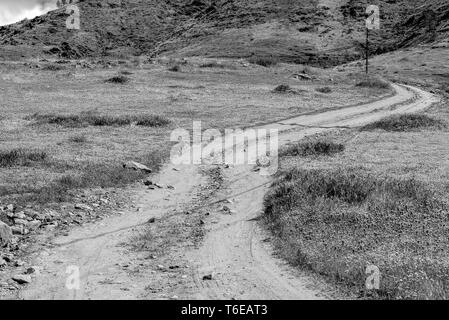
372 23
367 50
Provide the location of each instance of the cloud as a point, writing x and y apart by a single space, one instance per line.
15 10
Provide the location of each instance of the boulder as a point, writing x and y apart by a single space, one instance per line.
5 234
22 278
82 206
136 166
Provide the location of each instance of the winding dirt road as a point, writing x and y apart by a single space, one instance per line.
233 251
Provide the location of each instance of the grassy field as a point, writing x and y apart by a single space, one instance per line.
378 195
66 127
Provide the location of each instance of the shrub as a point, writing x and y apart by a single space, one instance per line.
283 88
21 157
312 148
404 122
213 65
337 221
152 121
78 139
118 79
324 90
94 119
373 83
175 68
263 61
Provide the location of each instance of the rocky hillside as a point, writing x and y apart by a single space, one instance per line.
306 31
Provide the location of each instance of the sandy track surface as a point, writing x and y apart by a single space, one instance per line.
233 251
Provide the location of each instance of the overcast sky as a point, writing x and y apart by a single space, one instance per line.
15 10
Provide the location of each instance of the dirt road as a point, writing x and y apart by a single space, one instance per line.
233 251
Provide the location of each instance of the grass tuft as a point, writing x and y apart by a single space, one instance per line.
324 90
93 119
175 68
118 79
213 65
312 148
263 61
374 83
283 88
22 157
404 122
80 138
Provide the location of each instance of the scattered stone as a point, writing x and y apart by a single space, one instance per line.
152 220
170 187
136 166
202 222
20 215
160 267
82 206
19 263
33 225
20 222
33 270
175 169
2 262
207 277
10 207
22 278
148 182
19 230
5 234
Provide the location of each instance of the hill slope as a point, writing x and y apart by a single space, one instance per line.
307 31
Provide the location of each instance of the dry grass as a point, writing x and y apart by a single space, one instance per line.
127 122
337 222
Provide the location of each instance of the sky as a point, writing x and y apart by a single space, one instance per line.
15 10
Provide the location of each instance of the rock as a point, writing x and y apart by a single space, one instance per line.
20 222
202 222
152 220
171 187
207 277
2 263
160 267
22 278
9 207
82 206
5 234
20 215
136 166
33 270
33 225
302 76
19 263
148 182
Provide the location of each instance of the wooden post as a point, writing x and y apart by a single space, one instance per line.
367 50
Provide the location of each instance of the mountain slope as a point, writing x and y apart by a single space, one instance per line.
307 31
